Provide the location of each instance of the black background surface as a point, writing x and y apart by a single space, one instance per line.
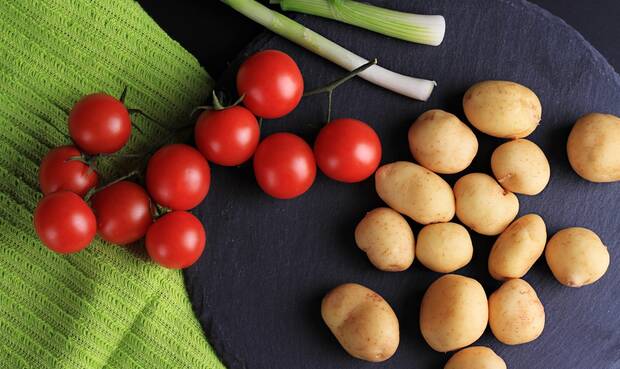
257 288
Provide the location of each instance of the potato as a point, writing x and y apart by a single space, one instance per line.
594 147
577 257
415 191
386 237
475 357
502 109
520 166
444 247
454 312
483 205
516 315
362 321
440 142
518 248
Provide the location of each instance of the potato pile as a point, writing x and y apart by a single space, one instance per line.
455 311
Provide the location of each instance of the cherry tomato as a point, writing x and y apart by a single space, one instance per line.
57 172
271 82
227 137
176 240
284 165
178 177
99 124
347 150
123 212
64 222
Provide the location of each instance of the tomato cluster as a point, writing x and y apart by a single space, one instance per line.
178 177
121 212
271 85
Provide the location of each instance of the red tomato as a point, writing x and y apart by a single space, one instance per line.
178 177
176 240
99 124
347 150
123 212
64 222
227 137
284 165
271 82
57 172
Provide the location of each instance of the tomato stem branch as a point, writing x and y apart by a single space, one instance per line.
141 112
79 158
335 84
119 179
329 88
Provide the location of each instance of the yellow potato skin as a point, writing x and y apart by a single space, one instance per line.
520 166
483 205
362 321
453 313
502 109
386 237
577 256
593 147
475 357
444 247
415 191
516 315
518 247
440 142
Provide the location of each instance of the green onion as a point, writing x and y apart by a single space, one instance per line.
423 29
415 88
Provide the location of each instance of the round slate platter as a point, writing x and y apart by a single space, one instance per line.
257 289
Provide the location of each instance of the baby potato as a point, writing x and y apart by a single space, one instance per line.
520 166
502 109
444 247
594 147
518 248
362 321
454 312
439 141
516 315
386 237
577 257
415 191
475 357
483 205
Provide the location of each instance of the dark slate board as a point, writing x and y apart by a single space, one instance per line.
257 289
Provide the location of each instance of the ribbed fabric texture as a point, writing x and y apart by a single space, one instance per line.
107 306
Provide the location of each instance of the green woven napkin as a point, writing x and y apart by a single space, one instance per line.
107 306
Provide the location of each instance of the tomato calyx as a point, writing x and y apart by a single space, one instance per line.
217 103
89 160
159 211
331 87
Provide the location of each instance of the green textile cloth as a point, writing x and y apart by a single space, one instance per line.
107 306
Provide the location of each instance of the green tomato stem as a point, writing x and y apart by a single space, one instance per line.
93 191
335 84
